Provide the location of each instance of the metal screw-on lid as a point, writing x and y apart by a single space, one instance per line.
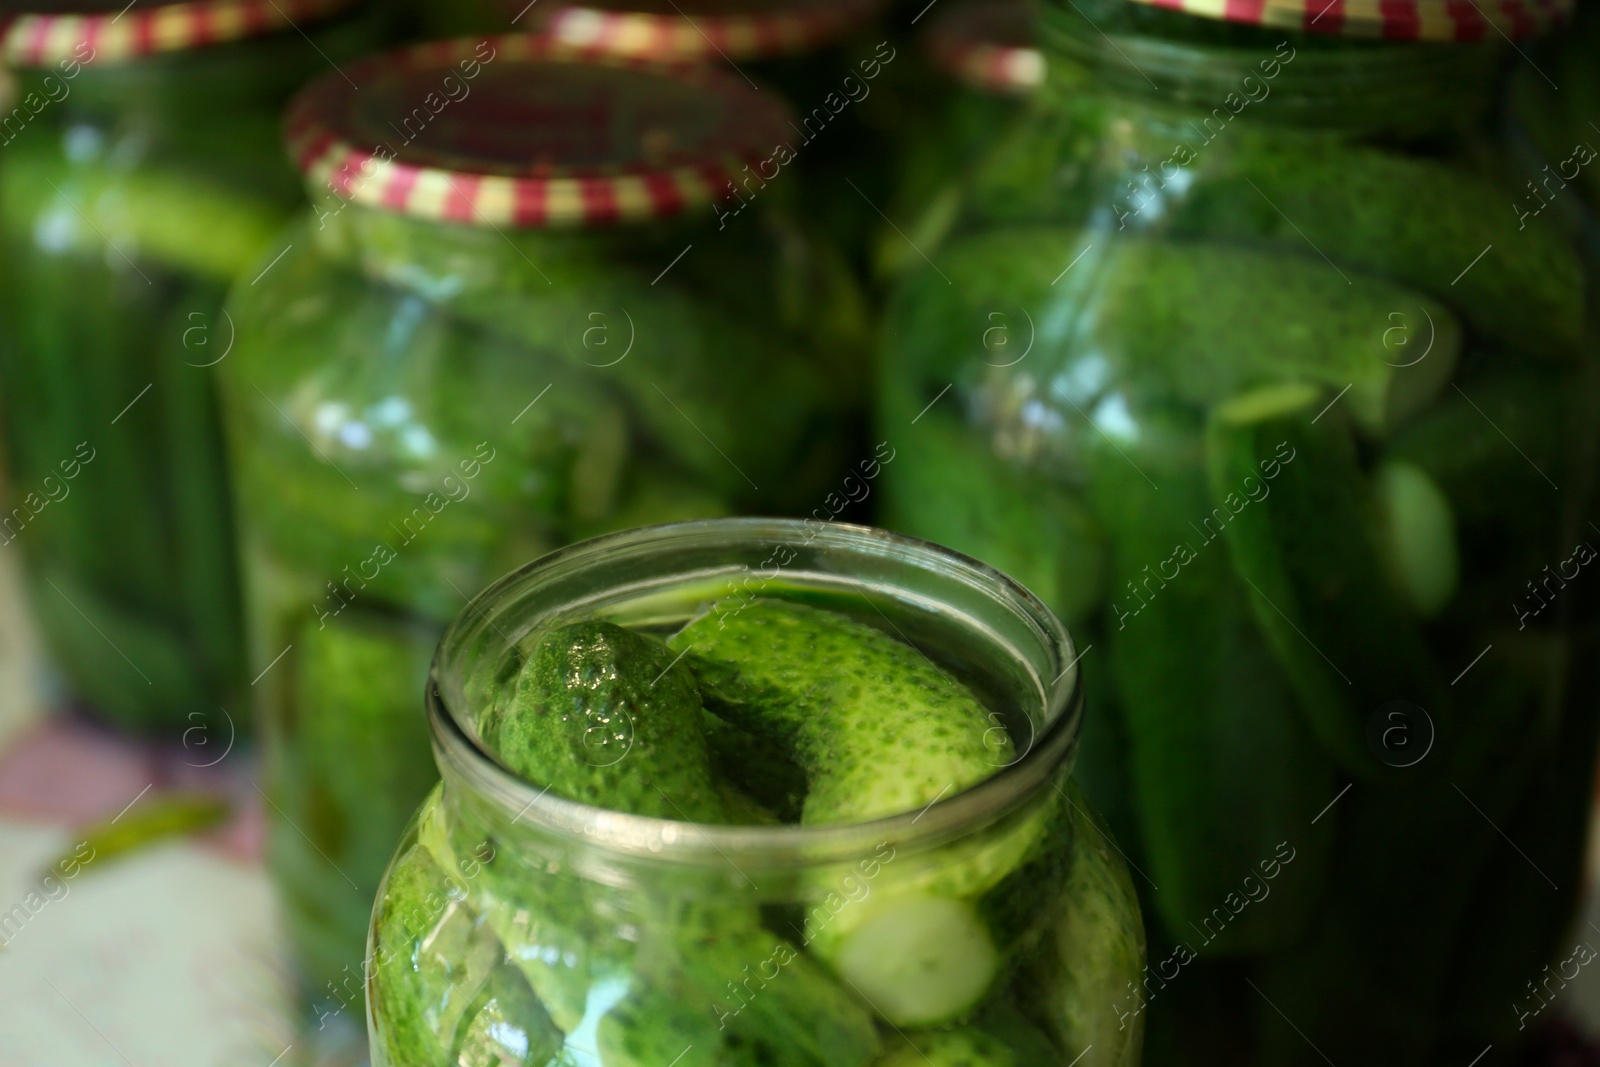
527 131
107 31
1401 20
989 44
701 30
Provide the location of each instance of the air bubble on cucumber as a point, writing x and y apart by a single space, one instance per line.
919 959
609 717
1419 535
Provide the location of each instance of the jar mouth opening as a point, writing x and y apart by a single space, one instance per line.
464 761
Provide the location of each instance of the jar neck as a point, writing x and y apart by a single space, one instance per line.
1157 58
657 573
445 261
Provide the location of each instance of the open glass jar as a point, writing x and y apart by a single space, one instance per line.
515 322
516 925
141 173
1242 357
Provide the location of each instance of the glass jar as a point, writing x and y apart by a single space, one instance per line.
832 59
140 174
1243 360
512 325
983 64
516 925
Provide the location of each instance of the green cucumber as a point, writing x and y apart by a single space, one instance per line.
609 717
1162 321
1313 568
1222 764
878 730
1419 222
440 990
552 928
823 685
162 216
1093 950
734 994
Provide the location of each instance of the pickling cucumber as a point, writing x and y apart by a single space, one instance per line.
606 716
877 727
162 216
1077 978
1222 763
441 993
1161 321
1313 565
735 995
1418 222
878 730
552 926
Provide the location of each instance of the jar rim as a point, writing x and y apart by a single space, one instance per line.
538 142
461 756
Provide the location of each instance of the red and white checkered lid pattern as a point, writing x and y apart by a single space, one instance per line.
112 31
989 44
701 30
526 131
1399 20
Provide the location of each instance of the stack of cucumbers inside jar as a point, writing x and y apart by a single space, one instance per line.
1248 352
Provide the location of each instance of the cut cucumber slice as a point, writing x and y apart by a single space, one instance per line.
1420 535
919 960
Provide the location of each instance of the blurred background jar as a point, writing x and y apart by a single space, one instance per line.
138 175
519 314
516 925
979 64
841 67
1244 355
